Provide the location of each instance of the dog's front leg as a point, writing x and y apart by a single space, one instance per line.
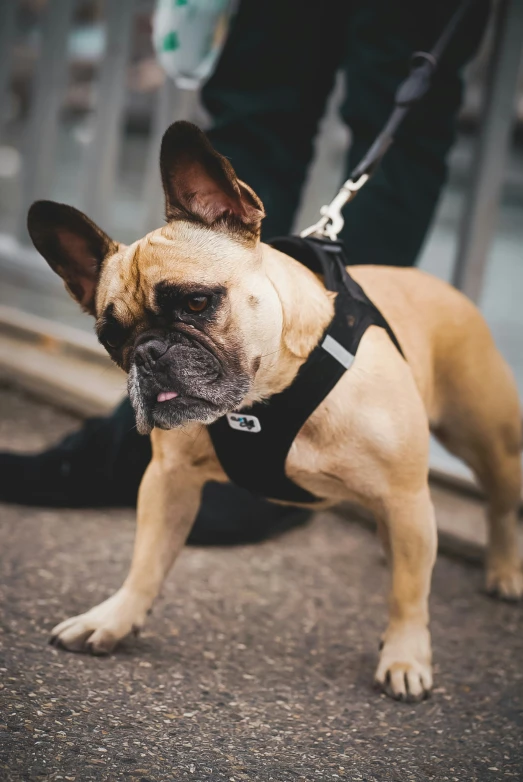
167 505
404 669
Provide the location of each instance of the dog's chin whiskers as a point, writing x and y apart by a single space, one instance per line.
144 424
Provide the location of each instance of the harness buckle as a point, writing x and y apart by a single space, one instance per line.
331 221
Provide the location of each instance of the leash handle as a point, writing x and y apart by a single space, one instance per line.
410 91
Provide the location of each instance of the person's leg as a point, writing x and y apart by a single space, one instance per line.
268 94
101 464
388 221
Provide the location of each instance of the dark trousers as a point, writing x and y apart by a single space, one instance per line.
267 97
269 91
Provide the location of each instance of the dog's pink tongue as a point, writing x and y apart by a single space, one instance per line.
164 396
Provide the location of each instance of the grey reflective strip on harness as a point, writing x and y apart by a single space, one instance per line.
337 351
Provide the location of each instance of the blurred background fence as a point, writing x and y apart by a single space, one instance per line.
83 105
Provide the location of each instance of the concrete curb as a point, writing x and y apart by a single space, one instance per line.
63 366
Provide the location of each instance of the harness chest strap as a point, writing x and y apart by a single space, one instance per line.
252 445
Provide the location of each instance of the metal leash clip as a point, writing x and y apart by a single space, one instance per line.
331 221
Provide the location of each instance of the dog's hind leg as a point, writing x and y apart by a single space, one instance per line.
482 426
497 467
504 575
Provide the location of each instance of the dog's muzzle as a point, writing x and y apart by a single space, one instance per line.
176 378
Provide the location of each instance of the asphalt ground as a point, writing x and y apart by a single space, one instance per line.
256 664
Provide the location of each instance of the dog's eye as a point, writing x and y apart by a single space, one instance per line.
196 303
112 337
112 343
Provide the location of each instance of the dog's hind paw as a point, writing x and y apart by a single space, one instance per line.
506 583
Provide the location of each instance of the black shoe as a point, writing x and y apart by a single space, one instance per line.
102 465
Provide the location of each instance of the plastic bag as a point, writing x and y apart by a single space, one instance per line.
188 36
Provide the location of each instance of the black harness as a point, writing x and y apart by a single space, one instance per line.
252 445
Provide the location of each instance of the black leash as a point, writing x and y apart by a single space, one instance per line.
410 91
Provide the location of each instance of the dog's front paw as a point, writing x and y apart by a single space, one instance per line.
505 582
100 629
404 671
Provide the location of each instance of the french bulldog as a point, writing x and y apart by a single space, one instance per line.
206 319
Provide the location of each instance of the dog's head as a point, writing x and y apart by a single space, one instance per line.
188 310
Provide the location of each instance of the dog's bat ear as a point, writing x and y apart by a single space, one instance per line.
200 185
73 246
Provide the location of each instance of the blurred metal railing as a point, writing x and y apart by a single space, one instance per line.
42 128
100 165
7 28
103 150
481 203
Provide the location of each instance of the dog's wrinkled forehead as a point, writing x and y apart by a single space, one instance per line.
180 254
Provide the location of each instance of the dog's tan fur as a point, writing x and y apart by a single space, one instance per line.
367 442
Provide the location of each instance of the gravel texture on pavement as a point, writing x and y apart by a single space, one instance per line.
256 664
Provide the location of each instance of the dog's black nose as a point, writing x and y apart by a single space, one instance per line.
146 353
